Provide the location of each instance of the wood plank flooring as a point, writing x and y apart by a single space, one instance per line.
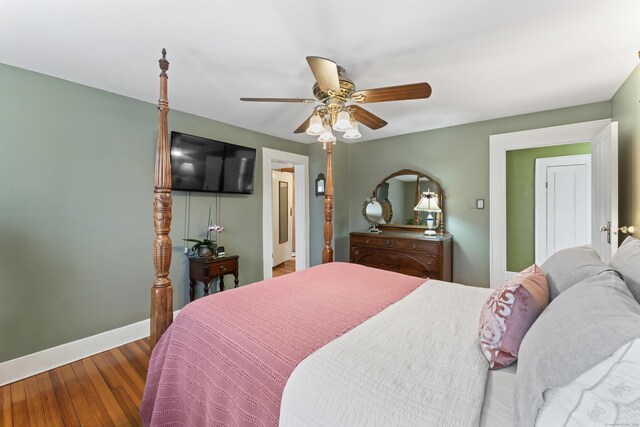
101 390
289 266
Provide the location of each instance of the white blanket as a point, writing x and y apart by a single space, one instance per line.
417 363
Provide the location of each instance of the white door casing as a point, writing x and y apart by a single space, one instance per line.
301 185
562 204
604 149
498 147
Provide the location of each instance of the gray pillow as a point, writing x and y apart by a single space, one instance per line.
579 329
627 262
567 267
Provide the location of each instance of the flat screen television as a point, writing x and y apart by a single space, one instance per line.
202 164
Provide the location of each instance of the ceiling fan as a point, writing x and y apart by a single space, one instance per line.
335 94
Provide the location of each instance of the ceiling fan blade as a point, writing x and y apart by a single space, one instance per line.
305 100
394 93
367 118
303 127
326 73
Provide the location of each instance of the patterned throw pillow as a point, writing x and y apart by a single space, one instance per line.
509 313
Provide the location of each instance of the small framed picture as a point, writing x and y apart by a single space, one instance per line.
221 251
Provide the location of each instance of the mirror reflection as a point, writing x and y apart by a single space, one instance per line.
402 192
373 212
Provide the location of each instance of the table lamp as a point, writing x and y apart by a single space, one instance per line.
428 203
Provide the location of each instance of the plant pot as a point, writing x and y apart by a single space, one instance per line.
205 252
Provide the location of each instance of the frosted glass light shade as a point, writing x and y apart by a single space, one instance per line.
326 135
352 133
315 126
343 121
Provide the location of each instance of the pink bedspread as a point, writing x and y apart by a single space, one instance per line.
226 358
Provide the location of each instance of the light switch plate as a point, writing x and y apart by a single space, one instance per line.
479 203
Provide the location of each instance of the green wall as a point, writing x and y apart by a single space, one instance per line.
76 209
458 157
625 109
76 204
521 165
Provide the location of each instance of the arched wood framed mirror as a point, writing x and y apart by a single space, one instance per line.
400 192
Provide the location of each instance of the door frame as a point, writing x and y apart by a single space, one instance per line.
498 146
301 191
541 192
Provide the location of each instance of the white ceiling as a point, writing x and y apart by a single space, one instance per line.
484 59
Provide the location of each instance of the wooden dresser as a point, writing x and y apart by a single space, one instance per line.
408 252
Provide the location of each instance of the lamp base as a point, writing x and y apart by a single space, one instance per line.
429 233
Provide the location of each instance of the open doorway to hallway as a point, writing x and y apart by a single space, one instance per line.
283 218
295 209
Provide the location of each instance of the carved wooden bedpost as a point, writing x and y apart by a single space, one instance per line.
162 290
327 252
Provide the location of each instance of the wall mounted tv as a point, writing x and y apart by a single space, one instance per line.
201 164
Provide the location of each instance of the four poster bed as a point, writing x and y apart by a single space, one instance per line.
343 344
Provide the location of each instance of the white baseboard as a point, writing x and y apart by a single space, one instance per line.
42 361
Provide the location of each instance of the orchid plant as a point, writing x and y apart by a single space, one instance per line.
208 241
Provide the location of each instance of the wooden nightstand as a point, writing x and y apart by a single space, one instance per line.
206 269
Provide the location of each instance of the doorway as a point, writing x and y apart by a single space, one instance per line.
285 220
527 192
602 134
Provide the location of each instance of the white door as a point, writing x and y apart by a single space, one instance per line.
562 204
604 207
282 184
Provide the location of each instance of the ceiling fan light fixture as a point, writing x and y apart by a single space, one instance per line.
327 135
315 125
352 133
335 95
343 121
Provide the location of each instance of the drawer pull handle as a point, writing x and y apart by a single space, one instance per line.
430 262
388 243
413 246
367 242
223 268
355 251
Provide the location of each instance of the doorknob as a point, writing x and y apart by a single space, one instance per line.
607 229
627 229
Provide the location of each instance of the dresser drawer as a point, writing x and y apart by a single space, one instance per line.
372 241
413 245
401 262
222 267
405 252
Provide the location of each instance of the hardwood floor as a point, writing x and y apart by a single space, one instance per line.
101 390
289 266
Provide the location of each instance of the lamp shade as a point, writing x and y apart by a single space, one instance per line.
343 121
352 133
315 125
326 135
428 203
